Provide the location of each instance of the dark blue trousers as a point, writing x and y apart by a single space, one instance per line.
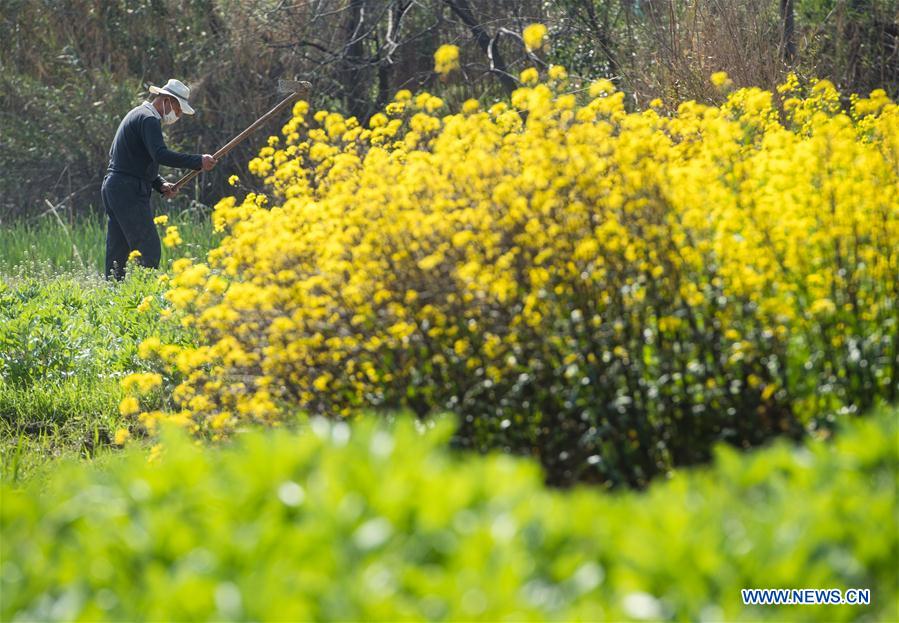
127 203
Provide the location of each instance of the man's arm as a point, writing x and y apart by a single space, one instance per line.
151 131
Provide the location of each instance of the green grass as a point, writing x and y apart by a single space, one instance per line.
65 342
47 246
67 336
41 423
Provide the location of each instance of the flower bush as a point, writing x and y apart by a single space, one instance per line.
610 291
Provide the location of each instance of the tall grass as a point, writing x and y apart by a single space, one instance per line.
47 246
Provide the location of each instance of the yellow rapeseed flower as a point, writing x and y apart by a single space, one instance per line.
446 59
557 72
529 76
121 436
172 236
534 37
156 453
721 80
143 382
129 406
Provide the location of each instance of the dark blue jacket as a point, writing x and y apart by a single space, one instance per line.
138 148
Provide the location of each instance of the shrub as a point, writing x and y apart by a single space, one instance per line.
613 292
380 522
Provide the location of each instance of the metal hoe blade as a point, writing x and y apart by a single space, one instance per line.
293 86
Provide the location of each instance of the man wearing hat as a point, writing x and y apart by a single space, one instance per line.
134 158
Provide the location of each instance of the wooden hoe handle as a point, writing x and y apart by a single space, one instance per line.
234 142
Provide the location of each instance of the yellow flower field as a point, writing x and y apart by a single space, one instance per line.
613 291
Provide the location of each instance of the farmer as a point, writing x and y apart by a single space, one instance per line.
134 158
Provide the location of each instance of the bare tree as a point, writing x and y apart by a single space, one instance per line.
487 43
787 16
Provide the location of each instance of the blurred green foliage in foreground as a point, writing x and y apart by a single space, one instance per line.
383 522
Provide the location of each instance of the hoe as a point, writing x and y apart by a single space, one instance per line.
296 90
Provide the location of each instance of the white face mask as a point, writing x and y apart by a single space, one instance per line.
170 117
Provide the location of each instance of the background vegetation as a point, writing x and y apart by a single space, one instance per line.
70 69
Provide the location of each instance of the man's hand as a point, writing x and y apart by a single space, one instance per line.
209 162
169 190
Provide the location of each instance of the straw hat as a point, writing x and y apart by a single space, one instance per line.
178 90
